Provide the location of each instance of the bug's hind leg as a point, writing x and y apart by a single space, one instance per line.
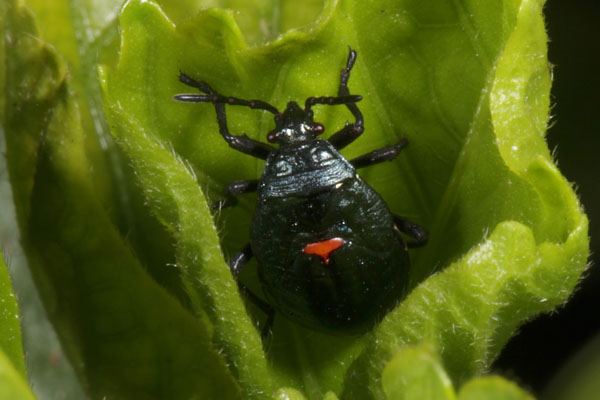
417 233
232 191
236 266
387 153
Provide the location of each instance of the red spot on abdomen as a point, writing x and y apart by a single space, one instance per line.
323 248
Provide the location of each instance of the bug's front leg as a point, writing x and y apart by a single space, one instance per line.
351 131
241 142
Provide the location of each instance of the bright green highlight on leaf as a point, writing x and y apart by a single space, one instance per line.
492 388
130 261
13 385
415 374
288 394
10 329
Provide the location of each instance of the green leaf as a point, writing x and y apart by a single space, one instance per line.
471 309
172 188
288 394
126 335
466 82
84 27
502 182
415 374
81 32
85 33
492 388
13 384
10 329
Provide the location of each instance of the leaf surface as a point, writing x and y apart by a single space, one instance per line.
467 82
10 329
125 334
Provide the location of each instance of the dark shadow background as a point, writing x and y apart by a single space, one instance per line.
544 345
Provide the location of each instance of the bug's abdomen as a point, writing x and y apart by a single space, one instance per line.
331 261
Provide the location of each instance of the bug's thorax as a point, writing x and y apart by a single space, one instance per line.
301 169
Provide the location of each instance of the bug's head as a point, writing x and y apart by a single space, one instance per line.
294 125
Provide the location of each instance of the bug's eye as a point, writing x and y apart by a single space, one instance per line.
271 137
318 128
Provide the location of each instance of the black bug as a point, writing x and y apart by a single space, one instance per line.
329 251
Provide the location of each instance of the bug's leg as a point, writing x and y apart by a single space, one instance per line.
386 153
237 263
232 191
417 233
351 131
238 142
241 142
236 266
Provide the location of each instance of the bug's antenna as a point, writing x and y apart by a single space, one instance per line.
212 96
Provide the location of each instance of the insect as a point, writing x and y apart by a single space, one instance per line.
330 252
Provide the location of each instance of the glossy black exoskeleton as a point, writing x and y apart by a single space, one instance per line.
329 251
